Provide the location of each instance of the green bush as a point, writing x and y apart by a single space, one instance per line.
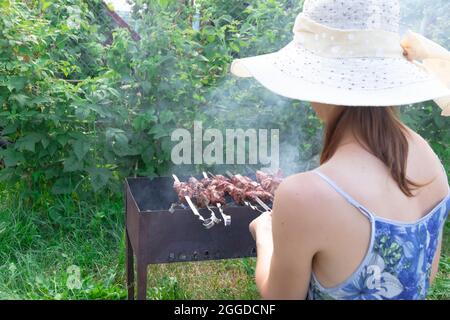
85 106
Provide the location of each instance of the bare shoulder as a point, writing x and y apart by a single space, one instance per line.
300 212
422 155
417 141
299 197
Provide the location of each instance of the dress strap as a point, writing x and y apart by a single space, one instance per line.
347 197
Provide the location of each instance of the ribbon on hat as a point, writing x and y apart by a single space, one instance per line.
435 60
338 43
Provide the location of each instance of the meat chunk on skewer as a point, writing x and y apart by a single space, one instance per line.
206 182
211 191
261 194
215 189
200 194
269 182
193 190
183 190
215 196
251 188
221 183
247 189
236 193
243 182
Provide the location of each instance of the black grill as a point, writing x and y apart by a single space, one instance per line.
156 235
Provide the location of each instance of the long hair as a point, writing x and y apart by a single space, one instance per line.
380 131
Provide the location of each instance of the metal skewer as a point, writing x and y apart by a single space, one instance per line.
172 207
213 215
226 218
257 199
211 174
262 204
207 223
248 204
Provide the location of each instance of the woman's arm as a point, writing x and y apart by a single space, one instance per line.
264 249
286 242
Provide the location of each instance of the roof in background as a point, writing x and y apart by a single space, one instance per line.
120 5
121 19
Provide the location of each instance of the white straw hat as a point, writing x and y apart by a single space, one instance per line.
350 53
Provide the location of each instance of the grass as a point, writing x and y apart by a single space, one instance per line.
39 246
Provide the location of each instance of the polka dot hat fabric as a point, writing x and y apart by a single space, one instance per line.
355 14
350 74
300 73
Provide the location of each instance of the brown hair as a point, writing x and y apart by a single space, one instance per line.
380 131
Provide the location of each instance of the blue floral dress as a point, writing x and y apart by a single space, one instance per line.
399 259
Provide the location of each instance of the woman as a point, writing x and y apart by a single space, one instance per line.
367 224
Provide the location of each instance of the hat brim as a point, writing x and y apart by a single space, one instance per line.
297 73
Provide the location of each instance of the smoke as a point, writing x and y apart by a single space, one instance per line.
244 104
429 18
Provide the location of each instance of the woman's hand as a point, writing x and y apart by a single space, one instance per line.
262 226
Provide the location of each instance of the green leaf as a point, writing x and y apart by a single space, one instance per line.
148 154
139 123
45 4
159 131
51 173
123 150
28 142
235 47
166 146
81 148
166 116
8 175
99 177
62 186
62 139
45 142
10 129
40 100
146 86
17 83
120 143
11 157
20 99
72 164
148 172
112 132
5 4
52 148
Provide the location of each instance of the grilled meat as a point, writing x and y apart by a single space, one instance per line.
269 182
183 190
240 188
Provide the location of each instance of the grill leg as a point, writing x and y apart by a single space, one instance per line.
130 268
142 280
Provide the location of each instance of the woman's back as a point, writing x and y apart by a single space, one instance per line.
387 246
362 204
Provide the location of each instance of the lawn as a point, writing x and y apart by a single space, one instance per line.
38 247
85 104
